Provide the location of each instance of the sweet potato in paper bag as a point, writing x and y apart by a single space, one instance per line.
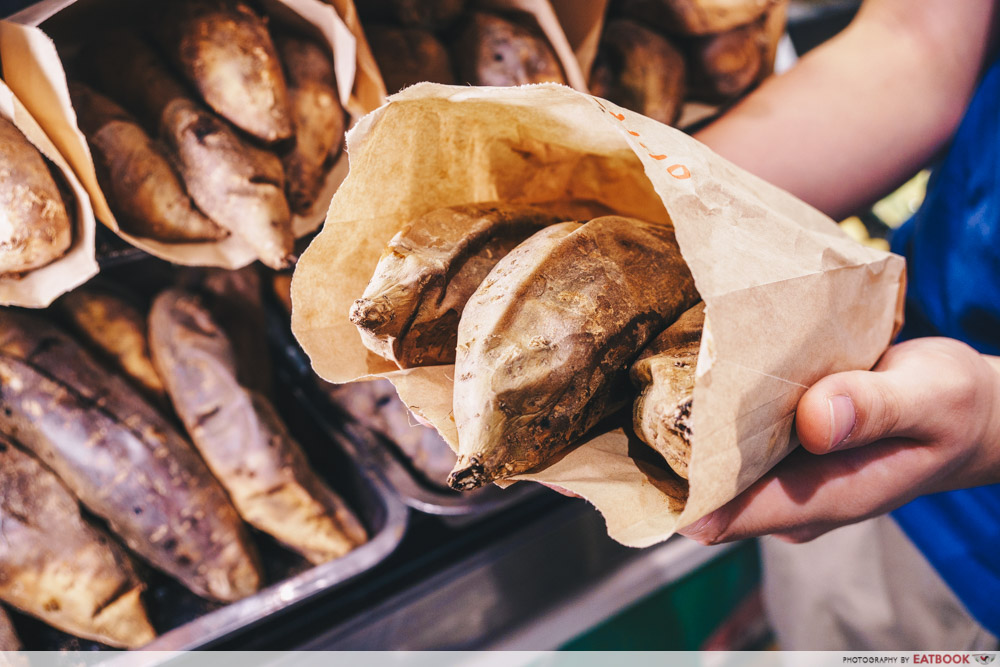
789 298
34 70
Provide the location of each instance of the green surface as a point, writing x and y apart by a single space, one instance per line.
681 616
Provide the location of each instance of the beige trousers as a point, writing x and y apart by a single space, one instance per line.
864 587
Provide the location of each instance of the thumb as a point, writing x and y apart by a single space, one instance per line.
859 407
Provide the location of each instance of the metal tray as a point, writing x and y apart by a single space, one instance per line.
187 621
381 455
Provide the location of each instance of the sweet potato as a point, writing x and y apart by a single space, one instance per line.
406 56
237 185
121 458
491 50
664 376
695 17
241 437
638 69
37 228
409 312
224 50
423 13
146 194
57 566
317 116
545 342
116 328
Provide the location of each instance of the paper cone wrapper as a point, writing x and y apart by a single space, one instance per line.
40 287
789 297
34 71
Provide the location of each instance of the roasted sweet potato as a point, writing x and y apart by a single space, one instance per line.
640 70
494 51
723 66
224 50
695 17
241 437
121 458
406 56
317 116
237 185
146 194
545 343
57 566
116 328
664 375
376 406
409 312
423 13
37 228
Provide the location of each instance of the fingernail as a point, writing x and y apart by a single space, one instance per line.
693 530
842 419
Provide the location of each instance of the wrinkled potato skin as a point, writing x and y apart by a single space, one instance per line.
37 228
239 186
223 48
409 312
58 567
695 17
241 437
317 116
545 343
638 69
723 66
147 195
122 459
664 374
406 56
118 329
493 51
432 14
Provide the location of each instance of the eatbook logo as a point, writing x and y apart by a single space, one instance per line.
984 658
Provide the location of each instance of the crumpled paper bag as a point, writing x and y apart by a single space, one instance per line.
40 287
34 70
789 297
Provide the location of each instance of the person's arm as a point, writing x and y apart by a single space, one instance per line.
866 110
926 419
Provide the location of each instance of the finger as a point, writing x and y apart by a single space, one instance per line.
845 410
807 495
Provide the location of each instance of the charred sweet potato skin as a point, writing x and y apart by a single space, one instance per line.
545 343
410 310
223 48
122 459
639 70
57 566
492 50
135 174
317 116
242 438
37 227
237 185
664 374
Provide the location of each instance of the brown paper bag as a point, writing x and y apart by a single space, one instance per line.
35 73
369 90
39 288
789 297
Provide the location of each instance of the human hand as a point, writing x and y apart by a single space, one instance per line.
925 419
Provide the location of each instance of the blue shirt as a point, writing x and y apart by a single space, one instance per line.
952 246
